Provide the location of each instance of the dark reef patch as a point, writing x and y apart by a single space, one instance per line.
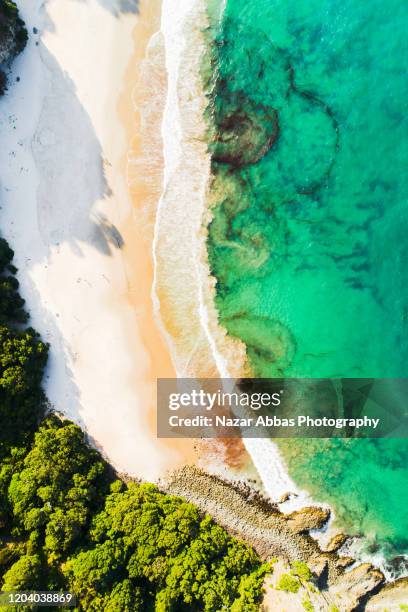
245 131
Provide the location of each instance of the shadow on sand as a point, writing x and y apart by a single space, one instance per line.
119 7
66 200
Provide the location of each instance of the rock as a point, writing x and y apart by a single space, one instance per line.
308 518
336 542
286 497
390 597
355 586
344 562
318 566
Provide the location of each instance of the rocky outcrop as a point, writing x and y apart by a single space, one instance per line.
392 597
354 587
318 566
336 542
344 562
263 527
275 535
303 520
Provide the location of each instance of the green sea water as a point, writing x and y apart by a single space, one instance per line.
309 241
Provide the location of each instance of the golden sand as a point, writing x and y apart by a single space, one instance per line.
141 107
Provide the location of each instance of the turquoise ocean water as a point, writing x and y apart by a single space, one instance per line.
309 242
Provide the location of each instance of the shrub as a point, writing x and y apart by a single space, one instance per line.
307 605
301 570
288 583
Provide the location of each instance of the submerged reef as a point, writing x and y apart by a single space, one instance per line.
246 131
304 198
255 125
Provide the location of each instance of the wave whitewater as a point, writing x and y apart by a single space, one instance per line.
183 290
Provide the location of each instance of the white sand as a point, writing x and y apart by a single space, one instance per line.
63 203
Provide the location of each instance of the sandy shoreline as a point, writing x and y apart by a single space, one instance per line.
82 243
184 287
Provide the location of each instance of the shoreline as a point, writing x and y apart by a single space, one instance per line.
199 345
65 194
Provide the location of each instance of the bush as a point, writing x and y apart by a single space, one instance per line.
60 483
22 361
301 570
117 546
24 575
13 34
288 583
11 303
307 605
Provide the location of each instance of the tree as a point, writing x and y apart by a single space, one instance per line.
11 303
24 575
22 361
60 483
165 551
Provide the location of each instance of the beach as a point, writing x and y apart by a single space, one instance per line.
113 264
116 275
105 198
82 238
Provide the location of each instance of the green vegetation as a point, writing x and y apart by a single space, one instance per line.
288 583
301 570
11 304
13 38
404 607
73 525
307 605
66 521
173 557
22 360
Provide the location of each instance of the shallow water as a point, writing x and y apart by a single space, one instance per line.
309 239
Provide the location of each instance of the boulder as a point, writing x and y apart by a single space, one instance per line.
391 597
318 566
344 562
336 542
308 518
286 497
